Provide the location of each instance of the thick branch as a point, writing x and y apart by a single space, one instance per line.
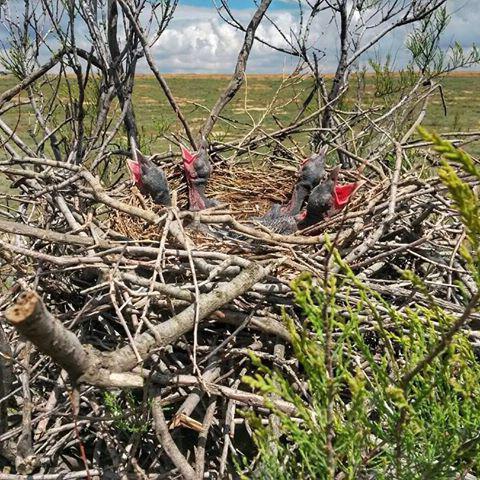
339 79
31 319
50 235
167 332
122 83
166 439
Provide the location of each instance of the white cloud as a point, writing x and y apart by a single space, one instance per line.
197 40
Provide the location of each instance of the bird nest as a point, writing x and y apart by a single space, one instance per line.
159 295
242 191
250 192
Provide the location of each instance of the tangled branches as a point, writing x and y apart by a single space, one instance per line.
180 308
127 328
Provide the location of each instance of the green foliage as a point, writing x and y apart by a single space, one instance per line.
392 408
389 80
14 60
124 408
424 45
465 199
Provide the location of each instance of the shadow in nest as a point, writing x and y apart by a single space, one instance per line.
243 191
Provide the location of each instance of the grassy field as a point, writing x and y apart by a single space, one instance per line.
195 93
463 104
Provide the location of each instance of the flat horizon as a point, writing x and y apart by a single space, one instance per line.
458 73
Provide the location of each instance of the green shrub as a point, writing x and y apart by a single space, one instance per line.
126 411
388 393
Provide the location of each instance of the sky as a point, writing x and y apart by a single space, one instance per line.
198 41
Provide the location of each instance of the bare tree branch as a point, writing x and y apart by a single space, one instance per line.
148 56
31 318
238 76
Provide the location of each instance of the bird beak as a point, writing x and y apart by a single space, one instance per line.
139 154
333 175
134 168
188 157
342 194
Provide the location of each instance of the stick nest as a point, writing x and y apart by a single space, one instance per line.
127 266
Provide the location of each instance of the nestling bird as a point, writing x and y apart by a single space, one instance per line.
197 169
312 171
326 199
150 179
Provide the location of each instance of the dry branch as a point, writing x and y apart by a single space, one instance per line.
239 74
32 320
135 296
167 332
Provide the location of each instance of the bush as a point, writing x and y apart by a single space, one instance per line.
389 392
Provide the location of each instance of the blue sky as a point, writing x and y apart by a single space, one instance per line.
242 4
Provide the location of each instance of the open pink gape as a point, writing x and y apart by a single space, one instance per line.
135 170
342 194
188 157
315 197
